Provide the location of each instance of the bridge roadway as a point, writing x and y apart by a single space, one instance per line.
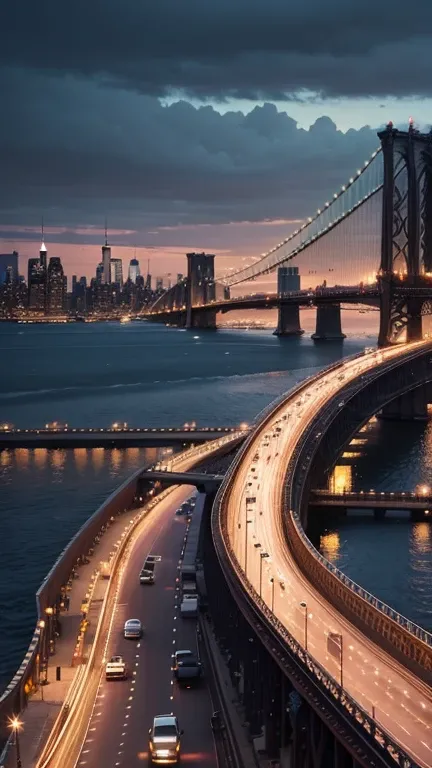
372 500
349 295
66 437
117 732
400 703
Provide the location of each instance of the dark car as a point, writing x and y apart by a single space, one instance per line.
188 671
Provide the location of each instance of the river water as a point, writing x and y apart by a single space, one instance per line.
145 375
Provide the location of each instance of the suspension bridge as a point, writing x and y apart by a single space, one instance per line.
369 245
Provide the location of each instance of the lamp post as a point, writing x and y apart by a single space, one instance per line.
262 556
247 523
15 724
272 582
303 605
41 655
337 639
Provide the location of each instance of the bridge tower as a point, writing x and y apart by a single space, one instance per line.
201 290
288 314
406 237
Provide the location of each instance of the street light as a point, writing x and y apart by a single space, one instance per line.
303 605
248 522
262 556
272 582
49 612
336 638
41 654
16 724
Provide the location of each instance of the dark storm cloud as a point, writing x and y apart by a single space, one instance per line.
77 151
221 48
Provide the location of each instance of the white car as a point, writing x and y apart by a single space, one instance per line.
133 629
116 669
164 740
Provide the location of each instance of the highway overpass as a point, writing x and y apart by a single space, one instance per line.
358 666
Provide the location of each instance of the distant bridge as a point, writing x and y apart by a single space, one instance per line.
127 437
375 500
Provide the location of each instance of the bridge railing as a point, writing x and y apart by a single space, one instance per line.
5 430
373 496
401 620
360 720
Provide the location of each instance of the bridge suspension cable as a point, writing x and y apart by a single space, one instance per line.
360 188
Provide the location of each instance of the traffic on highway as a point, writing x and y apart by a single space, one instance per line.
143 714
400 704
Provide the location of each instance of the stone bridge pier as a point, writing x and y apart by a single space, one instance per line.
328 323
288 314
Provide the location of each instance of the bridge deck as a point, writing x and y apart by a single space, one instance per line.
119 438
372 500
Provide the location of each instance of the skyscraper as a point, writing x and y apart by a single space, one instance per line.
36 285
106 259
134 270
148 278
159 284
8 260
55 286
116 271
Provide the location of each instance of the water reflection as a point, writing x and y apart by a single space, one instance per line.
22 456
5 458
58 459
40 456
330 546
98 455
80 458
116 459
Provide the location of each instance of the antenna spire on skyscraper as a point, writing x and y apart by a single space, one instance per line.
42 248
106 231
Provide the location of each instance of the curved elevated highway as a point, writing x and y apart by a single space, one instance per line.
252 525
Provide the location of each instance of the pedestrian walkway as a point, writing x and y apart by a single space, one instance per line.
44 706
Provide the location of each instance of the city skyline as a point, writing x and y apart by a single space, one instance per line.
188 154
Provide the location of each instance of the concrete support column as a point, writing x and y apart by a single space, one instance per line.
288 321
413 406
328 323
288 314
201 319
414 326
272 697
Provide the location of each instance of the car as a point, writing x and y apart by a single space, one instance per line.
179 657
115 668
189 671
133 629
146 576
164 740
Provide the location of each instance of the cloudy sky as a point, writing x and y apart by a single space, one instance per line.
199 124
